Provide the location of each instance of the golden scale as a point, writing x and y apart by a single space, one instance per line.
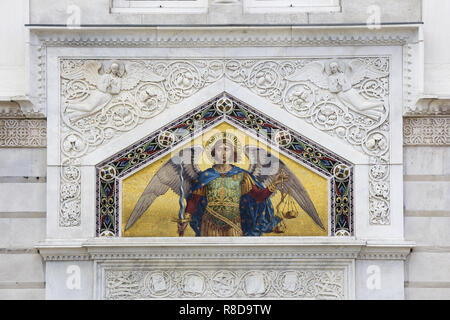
286 208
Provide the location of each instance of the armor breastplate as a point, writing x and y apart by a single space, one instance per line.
223 195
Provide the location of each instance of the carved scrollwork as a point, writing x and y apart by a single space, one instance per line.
70 191
347 98
299 99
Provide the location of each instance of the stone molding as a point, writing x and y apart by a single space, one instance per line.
224 268
242 249
173 37
18 108
430 106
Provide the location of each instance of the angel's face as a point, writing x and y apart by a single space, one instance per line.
115 68
334 67
223 152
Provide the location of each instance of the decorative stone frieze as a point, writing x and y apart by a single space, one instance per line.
293 283
419 131
23 133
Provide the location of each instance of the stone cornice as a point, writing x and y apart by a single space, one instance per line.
18 107
242 249
219 36
431 105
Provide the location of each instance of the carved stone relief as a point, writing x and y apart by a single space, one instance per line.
426 131
224 284
23 133
346 98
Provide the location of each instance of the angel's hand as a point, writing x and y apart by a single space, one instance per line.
182 224
181 227
280 178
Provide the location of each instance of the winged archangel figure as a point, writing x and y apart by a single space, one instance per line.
339 79
109 81
225 200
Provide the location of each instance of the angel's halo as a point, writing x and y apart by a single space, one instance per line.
229 137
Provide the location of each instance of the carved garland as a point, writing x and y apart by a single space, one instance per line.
346 98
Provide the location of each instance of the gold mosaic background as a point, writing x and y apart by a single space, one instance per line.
157 220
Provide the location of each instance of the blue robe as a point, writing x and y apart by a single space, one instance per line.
256 217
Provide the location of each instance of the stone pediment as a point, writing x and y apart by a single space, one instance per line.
105 100
227 114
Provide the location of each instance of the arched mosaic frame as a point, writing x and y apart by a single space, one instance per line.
225 107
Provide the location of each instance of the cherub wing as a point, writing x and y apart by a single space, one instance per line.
90 71
314 72
265 166
168 177
357 70
135 72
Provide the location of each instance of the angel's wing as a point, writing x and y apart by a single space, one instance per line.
92 72
265 166
357 70
314 72
135 72
168 177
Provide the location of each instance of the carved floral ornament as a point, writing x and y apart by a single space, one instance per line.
346 98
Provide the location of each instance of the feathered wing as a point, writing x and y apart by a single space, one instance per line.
138 71
357 70
168 177
265 166
92 72
314 72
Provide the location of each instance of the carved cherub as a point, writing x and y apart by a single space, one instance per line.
339 79
108 81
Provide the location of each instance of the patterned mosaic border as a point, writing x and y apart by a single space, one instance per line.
245 118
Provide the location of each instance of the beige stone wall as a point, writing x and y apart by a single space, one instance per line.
97 12
22 222
13 15
427 221
427 167
22 166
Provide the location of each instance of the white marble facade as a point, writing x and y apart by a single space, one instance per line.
351 67
72 151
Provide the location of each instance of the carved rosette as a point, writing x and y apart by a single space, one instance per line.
221 284
346 98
